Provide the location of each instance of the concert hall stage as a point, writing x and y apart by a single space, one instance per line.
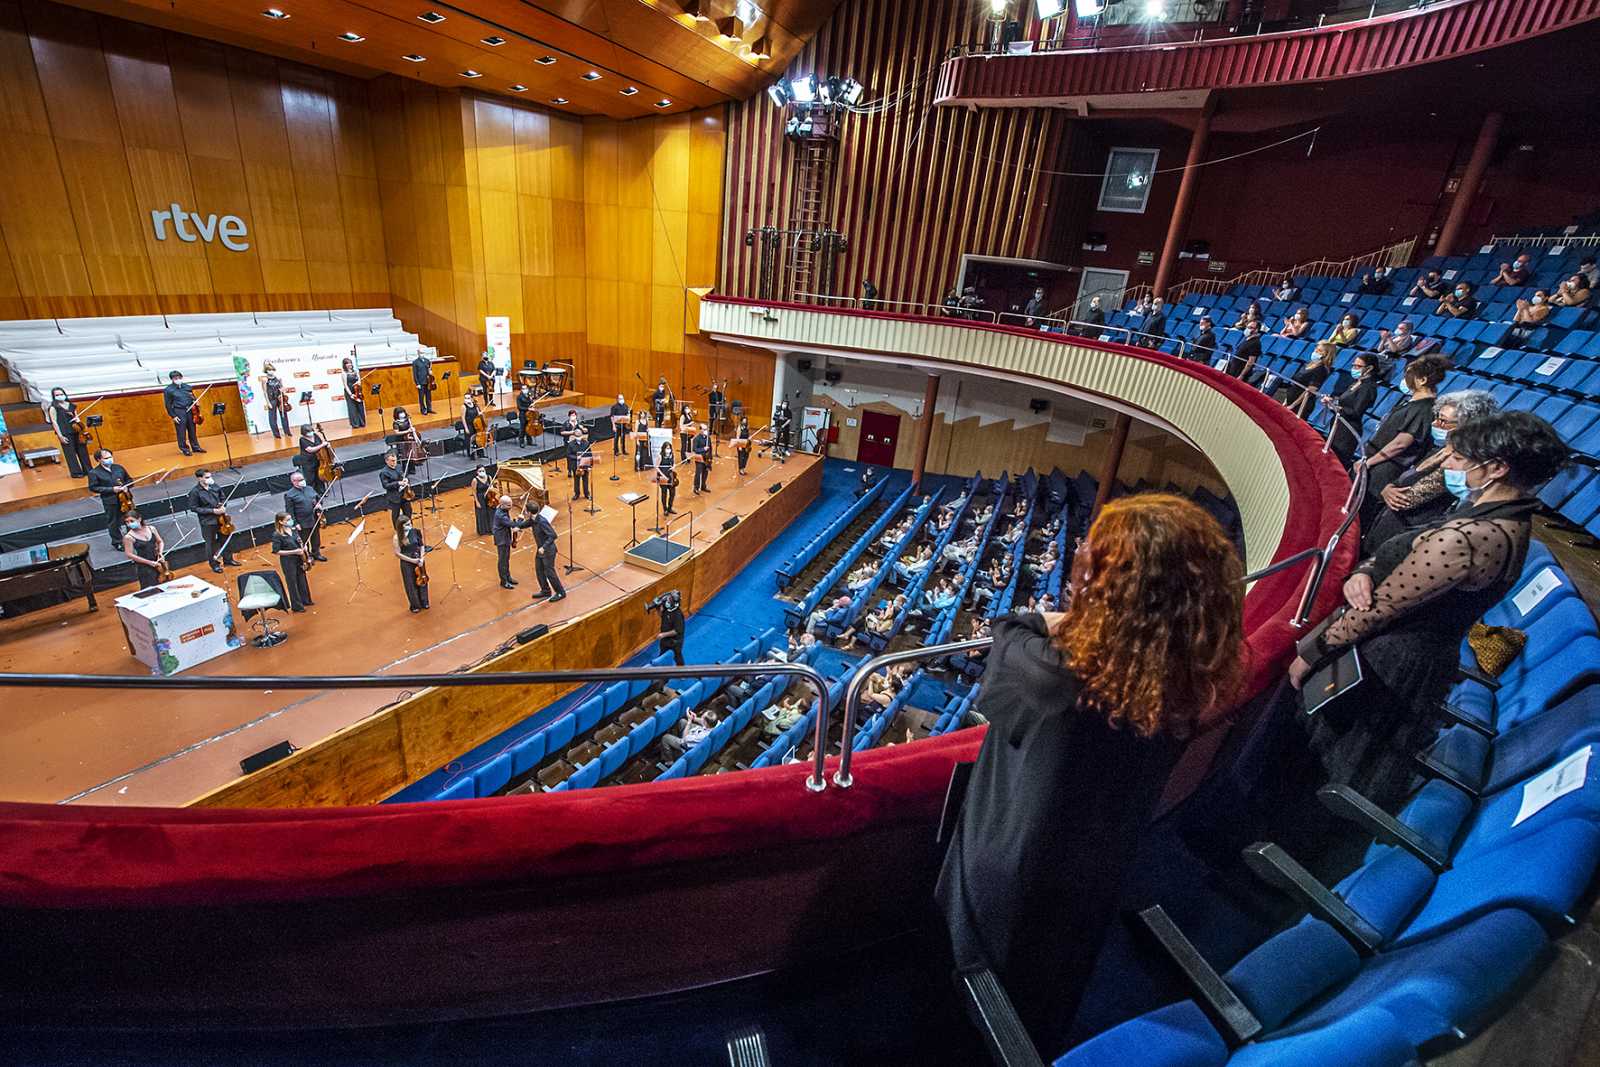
105 747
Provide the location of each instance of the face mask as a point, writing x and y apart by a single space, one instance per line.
1405 387
1538 298
1439 436
1456 483
1461 292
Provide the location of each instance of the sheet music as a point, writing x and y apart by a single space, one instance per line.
452 538
360 526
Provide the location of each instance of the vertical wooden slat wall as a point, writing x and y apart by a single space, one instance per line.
912 187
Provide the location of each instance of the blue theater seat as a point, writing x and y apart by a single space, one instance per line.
528 753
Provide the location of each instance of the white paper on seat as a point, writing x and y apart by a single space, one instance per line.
1490 352
1408 301
1565 777
1348 297
1545 582
1485 250
1450 275
1557 250
1550 366
452 538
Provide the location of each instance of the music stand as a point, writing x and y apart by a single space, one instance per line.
572 560
218 410
633 500
450 404
383 420
94 422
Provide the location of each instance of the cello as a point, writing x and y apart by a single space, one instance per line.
328 468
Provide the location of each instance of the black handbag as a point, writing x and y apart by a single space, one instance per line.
1331 687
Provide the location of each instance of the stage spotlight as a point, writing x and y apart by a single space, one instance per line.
997 8
804 90
827 90
778 92
1155 10
1049 9
851 92
1088 9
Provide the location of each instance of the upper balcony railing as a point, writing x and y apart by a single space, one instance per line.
1073 68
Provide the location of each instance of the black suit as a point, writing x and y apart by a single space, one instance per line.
306 462
524 406
201 501
658 403
1203 346
394 494
544 560
421 371
1153 330
701 446
178 399
486 373
502 525
577 448
103 481
301 504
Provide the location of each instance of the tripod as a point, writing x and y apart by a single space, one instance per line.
572 560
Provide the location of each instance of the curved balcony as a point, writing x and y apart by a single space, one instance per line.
1177 75
346 916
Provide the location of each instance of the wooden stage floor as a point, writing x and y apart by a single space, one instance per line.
107 746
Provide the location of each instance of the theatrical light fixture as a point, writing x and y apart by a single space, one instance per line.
351 38
1088 9
470 73
558 100
804 90
1155 10
851 92
997 8
663 103
590 75
545 61
432 18
414 58
1049 9
628 91
494 41
275 13
778 92
518 88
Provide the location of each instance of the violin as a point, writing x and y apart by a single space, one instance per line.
408 493
125 499
163 569
225 524
422 573
79 434
285 405
491 497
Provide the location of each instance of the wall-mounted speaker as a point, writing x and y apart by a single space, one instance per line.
833 376
803 365
1037 405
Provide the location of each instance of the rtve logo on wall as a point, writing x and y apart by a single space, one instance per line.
229 229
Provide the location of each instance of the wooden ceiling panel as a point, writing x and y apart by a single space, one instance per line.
649 45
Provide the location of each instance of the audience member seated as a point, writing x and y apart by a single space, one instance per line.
1088 712
1347 333
1531 312
1418 497
1297 325
1287 290
1042 565
832 615
1572 293
881 687
1310 378
1402 437
1242 362
984 515
1041 602
1153 327
987 585
892 535
1400 342
1590 272
878 622
861 577
916 562
1430 284
1203 345
1375 283
1459 303
797 644
1252 313
1012 534
1411 603
1516 272
693 728
867 481
783 715
1353 404
960 553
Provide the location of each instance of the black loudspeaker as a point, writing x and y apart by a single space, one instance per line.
532 633
803 366
1038 405
266 757
774 487
832 376
730 524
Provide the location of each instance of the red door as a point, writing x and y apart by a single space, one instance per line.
878 435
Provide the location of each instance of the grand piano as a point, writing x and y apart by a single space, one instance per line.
29 574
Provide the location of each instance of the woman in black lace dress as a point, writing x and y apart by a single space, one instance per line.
1411 604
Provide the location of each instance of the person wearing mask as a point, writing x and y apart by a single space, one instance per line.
741 448
306 459
278 405
661 400
1251 313
1347 333
641 443
291 553
470 425
525 399
700 448
693 728
1459 303
70 432
580 456
1402 437
1309 378
422 378
1035 308
142 543
686 424
1429 285
1573 293
1532 310
1287 290
1418 497
179 400
1153 328
1373 284
482 511
619 425
412 554
1516 272
869 295
667 478
355 402
1203 345
670 637
544 561
1411 603
784 715
504 528
304 508
1094 319
395 486
782 422
1297 325
1352 405
106 481
1398 343
1242 363
1088 712
487 373
206 501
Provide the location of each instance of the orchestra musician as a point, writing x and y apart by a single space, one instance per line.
305 508
525 401
74 439
504 528
685 429
278 405
717 402
641 443
482 511
701 446
306 460
408 548
544 561
660 400
394 483
291 553
142 544
742 442
471 420
619 429
208 505
569 430
178 398
422 378
355 404
580 457
486 375
667 478
107 481
782 420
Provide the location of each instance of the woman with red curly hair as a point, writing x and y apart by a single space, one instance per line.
1088 710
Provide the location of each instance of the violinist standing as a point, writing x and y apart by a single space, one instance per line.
64 417
482 513
355 405
409 549
305 509
291 553
104 481
207 503
394 486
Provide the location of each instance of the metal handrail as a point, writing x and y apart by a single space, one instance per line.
852 692
816 782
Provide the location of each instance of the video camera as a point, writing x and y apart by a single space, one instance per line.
668 601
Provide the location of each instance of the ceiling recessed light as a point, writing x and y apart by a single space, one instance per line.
629 91
558 100
414 58
494 41
590 75
470 73
275 13
518 88
352 38
545 61
663 103
431 17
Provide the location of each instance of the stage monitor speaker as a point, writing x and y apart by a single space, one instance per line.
803 366
832 376
774 487
1037 405
266 757
730 524
532 633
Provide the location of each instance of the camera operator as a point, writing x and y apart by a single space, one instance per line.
670 605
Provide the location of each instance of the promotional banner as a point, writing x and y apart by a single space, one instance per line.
8 454
314 369
497 329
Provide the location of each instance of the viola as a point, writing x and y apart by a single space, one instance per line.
125 499
422 573
225 524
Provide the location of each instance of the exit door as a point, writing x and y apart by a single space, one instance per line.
879 432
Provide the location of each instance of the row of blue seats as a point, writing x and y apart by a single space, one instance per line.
954 715
870 730
787 743
1453 904
837 620
944 622
786 571
796 612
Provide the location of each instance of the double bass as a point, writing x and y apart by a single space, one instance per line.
328 469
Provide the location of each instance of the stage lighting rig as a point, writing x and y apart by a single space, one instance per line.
817 103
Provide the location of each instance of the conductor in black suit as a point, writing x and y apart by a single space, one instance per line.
503 525
544 561
421 371
179 401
